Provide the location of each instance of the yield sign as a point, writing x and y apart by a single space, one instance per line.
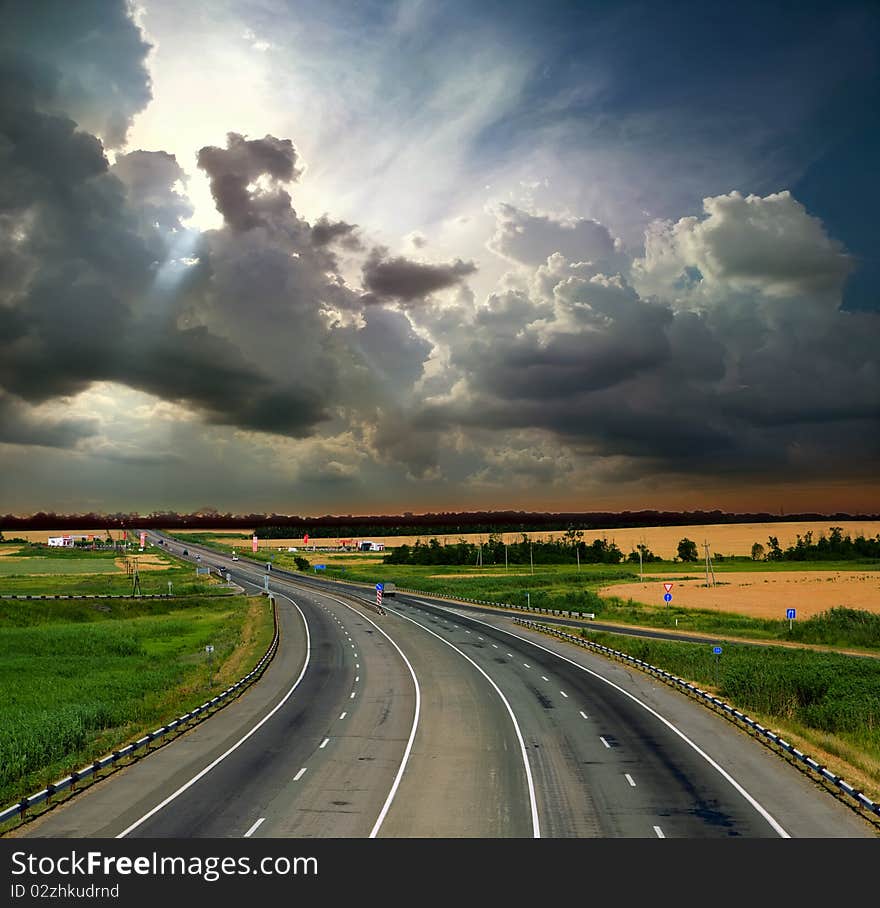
667 587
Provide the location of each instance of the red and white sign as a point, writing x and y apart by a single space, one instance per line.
667 587
306 539
254 544
379 598
143 540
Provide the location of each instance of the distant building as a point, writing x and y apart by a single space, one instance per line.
66 541
367 546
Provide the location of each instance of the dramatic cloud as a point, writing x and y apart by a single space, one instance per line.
233 169
403 279
325 231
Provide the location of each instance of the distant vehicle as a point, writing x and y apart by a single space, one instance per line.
198 557
186 551
235 557
291 550
389 589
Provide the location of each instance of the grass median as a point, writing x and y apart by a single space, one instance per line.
78 679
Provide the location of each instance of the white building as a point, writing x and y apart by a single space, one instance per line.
66 541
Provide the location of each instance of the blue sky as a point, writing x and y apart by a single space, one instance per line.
323 256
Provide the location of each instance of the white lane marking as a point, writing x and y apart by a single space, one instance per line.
544 678
584 715
357 665
564 694
510 655
357 678
479 638
412 735
343 715
300 774
604 742
324 743
526 664
629 779
467 632
536 827
659 832
255 827
720 769
239 742
494 646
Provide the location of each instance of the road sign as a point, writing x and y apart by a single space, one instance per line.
667 597
320 567
380 586
209 649
716 650
379 595
667 587
790 613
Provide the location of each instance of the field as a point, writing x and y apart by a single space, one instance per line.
10 566
80 678
43 535
763 594
726 539
827 704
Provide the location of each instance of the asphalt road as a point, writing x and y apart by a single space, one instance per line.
433 721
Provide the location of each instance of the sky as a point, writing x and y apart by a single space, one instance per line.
348 257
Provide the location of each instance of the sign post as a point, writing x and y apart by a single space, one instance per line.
379 588
667 596
716 650
791 614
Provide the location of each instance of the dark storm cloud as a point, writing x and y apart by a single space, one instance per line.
403 279
150 178
325 231
232 170
87 59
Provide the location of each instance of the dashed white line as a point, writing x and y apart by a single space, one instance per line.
510 655
300 774
239 742
564 694
629 779
357 678
494 646
659 832
323 744
544 678
604 742
352 695
526 665
343 715
255 827
584 715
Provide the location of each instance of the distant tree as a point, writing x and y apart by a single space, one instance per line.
687 550
647 555
302 564
757 552
774 552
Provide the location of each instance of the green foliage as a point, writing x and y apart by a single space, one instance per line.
829 692
77 679
834 547
302 564
647 555
687 550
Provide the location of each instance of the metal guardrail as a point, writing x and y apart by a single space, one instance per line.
115 756
716 703
562 613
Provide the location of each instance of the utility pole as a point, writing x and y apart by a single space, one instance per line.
577 552
641 574
135 581
531 557
709 568
505 556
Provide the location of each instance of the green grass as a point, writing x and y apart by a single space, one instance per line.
9 568
829 698
77 679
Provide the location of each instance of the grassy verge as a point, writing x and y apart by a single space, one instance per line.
827 704
78 679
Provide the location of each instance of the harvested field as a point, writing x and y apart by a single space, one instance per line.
43 535
726 539
145 563
763 595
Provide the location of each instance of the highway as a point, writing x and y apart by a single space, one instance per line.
431 721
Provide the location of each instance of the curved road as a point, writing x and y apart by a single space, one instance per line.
431 721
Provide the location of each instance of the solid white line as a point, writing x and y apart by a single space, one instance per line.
300 774
584 715
564 694
536 827
239 742
604 742
720 769
659 832
323 744
629 779
343 715
412 735
255 827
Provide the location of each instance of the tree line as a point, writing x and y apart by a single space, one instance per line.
834 547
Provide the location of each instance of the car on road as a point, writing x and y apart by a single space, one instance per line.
186 551
235 557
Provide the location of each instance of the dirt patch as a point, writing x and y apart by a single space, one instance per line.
9 551
763 595
145 563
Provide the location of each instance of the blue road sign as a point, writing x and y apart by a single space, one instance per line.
790 613
380 586
716 650
667 597
320 567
